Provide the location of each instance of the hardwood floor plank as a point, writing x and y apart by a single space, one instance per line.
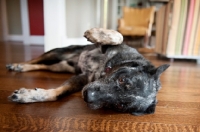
38 123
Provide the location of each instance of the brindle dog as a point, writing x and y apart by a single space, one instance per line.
112 76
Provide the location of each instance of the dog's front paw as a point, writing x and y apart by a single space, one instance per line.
15 67
24 95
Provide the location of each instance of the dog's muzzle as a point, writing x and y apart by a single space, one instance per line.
93 95
92 99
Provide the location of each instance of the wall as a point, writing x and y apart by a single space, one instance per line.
66 21
14 17
15 21
112 15
80 15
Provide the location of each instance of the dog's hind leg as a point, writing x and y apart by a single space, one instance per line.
62 66
72 85
50 57
54 56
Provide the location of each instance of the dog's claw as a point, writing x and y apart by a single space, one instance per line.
14 96
16 91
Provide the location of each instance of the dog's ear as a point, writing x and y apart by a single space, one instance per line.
157 72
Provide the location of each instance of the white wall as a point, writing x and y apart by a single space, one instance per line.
80 15
54 23
66 21
112 14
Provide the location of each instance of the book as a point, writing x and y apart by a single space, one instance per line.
167 23
173 28
181 27
196 49
194 27
188 27
159 29
178 33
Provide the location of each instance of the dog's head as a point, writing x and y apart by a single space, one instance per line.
127 89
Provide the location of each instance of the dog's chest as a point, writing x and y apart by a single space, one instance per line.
90 62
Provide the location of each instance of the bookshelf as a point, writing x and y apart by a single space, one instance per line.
178 30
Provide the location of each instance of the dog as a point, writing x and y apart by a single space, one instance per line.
109 73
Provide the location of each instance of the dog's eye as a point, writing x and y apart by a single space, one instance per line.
122 79
107 69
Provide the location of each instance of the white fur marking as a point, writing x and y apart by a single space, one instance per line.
24 95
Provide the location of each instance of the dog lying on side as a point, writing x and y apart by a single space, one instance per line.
110 74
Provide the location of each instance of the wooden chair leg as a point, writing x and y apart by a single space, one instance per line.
147 41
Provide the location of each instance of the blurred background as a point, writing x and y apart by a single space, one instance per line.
63 22
169 28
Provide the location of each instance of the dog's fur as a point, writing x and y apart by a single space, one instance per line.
113 76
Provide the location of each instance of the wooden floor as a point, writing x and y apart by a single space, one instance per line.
178 108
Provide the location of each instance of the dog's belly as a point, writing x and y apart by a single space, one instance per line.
91 63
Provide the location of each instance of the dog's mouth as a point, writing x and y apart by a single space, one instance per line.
95 106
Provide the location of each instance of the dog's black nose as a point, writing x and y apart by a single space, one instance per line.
89 96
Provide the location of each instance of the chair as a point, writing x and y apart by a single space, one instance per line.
137 22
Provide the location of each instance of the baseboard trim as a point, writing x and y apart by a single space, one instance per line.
15 38
36 40
32 40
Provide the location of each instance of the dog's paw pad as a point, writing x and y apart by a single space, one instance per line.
14 97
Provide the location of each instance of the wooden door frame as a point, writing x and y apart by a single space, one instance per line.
25 37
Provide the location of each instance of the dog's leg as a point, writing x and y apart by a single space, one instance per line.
62 66
72 85
50 56
55 56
